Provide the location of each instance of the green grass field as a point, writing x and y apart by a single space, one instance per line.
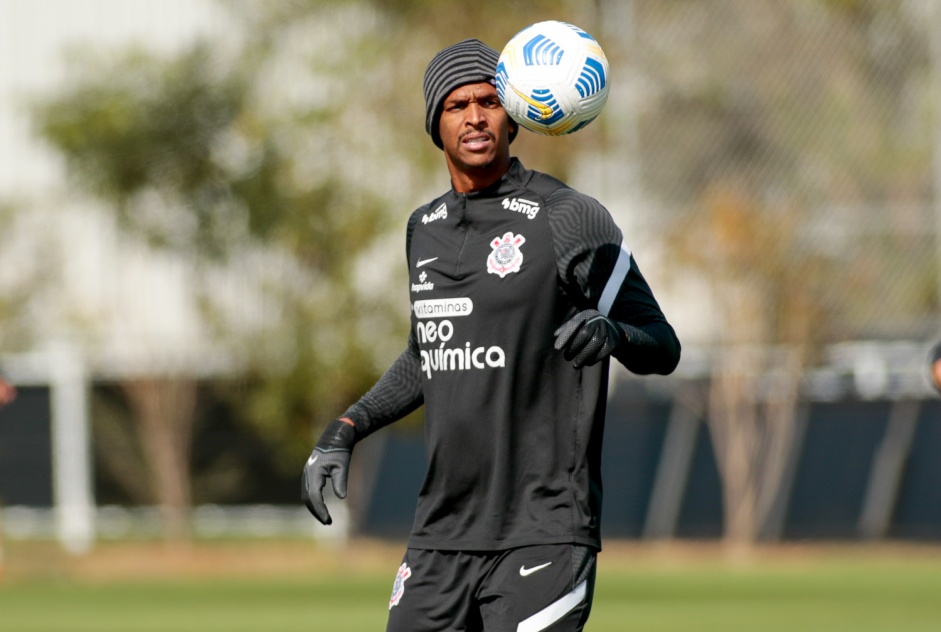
827 589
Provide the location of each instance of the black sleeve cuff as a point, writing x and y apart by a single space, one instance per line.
338 435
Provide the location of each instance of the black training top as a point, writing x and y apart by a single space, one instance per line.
513 432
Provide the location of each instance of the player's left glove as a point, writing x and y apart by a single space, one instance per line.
330 459
588 338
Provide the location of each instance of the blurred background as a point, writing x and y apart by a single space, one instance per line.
202 213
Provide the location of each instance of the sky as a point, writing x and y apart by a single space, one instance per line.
35 35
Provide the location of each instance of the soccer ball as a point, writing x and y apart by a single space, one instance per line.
552 78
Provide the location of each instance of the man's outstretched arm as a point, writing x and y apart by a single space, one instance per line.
397 393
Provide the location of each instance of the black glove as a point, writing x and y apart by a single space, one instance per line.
588 338
330 459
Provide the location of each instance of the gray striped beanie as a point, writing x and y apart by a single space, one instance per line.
470 61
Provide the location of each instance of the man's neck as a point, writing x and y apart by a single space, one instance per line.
477 179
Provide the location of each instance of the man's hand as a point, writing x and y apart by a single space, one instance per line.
330 459
588 338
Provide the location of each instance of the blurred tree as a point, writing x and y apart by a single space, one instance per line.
26 272
189 162
8 296
782 133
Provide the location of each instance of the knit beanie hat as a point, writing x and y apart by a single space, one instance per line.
470 61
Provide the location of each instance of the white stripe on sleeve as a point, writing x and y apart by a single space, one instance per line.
621 268
554 611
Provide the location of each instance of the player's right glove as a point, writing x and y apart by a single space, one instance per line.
330 459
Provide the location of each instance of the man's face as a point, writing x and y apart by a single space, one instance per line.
474 128
936 373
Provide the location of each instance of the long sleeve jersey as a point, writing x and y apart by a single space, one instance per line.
513 431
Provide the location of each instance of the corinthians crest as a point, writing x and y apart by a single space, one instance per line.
398 588
506 256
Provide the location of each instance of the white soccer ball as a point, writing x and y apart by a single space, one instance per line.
552 78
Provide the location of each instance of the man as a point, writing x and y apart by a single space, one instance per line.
521 289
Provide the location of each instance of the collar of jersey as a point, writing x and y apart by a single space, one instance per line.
510 181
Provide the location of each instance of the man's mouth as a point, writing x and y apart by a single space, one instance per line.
476 141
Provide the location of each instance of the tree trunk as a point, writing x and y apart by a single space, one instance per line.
164 410
753 406
733 423
753 420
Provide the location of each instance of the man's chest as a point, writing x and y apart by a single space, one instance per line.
494 250
483 285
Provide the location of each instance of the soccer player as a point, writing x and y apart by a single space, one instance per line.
521 290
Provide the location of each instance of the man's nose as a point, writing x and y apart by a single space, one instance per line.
475 114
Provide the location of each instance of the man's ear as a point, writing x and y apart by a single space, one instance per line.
513 129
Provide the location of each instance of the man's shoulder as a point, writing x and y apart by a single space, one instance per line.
430 210
572 213
557 194
427 206
566 201
538 182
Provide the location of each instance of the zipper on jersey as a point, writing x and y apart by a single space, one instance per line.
462 225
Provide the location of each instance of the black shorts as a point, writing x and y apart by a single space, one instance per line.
520 590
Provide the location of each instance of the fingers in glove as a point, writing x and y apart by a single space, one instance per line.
318 508
312 483
565 333
338 476
593 343
588 355
597 349
585 336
